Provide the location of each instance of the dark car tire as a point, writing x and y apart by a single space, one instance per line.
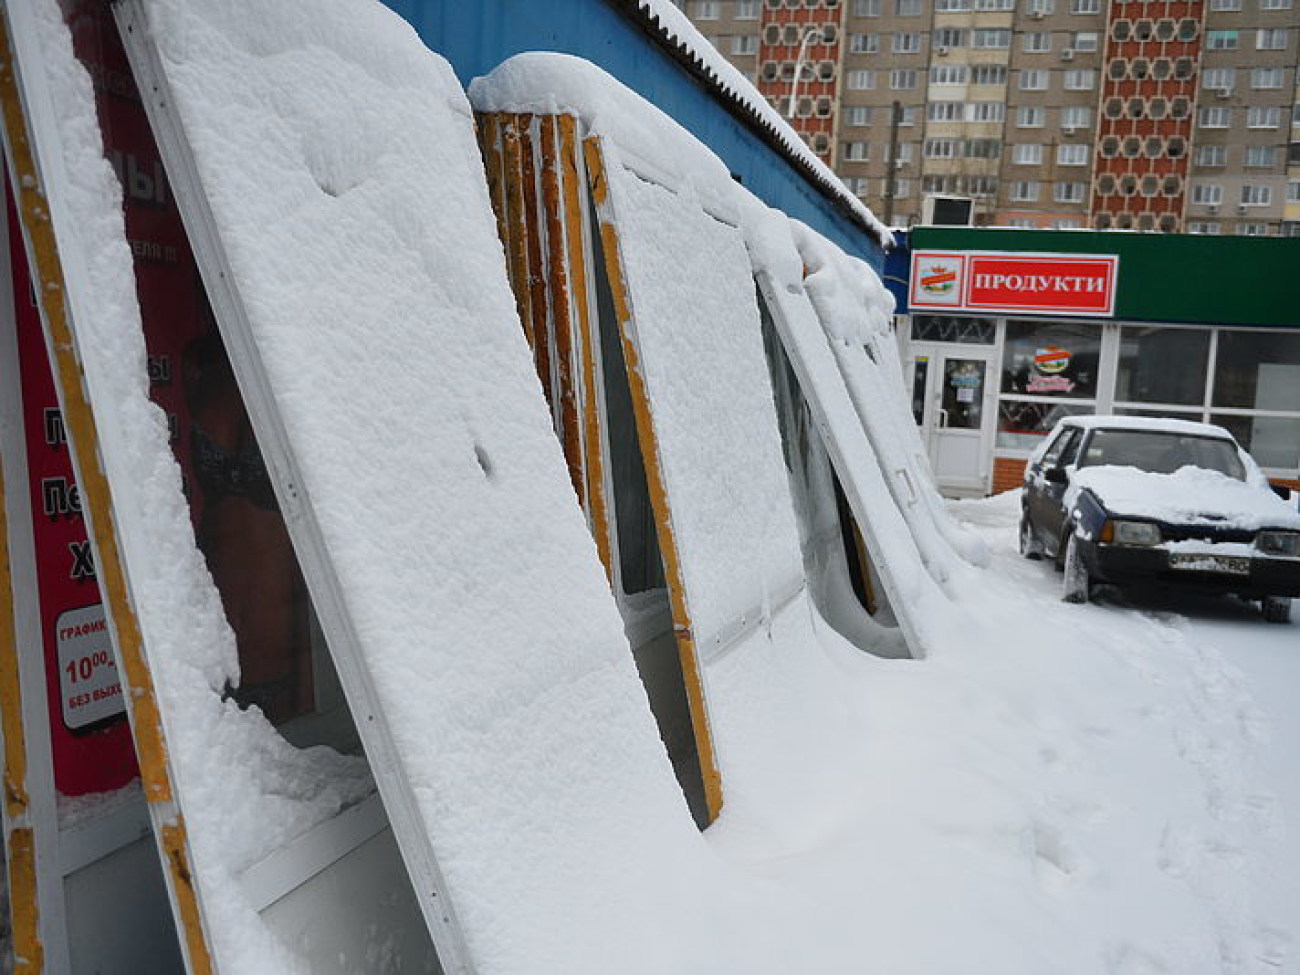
1076 584
1030 546
1276 609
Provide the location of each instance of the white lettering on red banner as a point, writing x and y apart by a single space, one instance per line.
990 281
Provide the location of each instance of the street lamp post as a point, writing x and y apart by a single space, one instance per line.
812 32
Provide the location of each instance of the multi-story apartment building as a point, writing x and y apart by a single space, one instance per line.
1173 115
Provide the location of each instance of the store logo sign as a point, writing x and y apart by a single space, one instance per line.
986 281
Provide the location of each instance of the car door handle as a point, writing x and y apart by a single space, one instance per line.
943 419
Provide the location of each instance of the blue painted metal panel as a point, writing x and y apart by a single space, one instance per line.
898 270
477 35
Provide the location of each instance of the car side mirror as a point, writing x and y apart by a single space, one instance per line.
1055 475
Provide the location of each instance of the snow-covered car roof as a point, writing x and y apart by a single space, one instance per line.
1159 424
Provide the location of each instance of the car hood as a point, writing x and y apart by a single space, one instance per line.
1192 495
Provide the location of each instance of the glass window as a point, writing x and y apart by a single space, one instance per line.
1022 424
1051 359
950 328
1161 452
1258 371
1162 365
1274 441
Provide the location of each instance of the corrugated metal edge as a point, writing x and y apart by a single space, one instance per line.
741 105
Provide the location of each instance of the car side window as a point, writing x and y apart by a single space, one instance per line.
1066 443
1070 450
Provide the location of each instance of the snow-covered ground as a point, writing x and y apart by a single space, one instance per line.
1099 788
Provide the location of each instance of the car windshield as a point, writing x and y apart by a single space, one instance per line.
1162 452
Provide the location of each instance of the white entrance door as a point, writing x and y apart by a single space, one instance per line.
953 402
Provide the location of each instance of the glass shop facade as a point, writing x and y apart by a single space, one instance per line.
1003 332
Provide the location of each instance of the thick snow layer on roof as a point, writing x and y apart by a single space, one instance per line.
675 21
1190 495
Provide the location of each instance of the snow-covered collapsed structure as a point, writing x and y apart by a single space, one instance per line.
381 695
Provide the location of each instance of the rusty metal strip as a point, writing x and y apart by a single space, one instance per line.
83 439
864 564
532 229
557 285
573 186
20 841
686 649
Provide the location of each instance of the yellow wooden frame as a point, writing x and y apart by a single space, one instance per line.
83 441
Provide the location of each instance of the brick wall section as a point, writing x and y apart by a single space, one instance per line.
1008 473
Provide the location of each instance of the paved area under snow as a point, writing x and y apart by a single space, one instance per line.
1139 755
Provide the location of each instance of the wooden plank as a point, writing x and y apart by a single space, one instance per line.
641 406
531 230
573 186
83 441
557 286
488 129
516 221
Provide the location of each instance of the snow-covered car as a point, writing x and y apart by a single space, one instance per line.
1135 501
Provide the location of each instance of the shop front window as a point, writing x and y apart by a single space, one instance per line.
953 328
1258 371
1162 365
1022 424
1274 441
1054 359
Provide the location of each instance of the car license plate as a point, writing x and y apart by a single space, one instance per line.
1236 565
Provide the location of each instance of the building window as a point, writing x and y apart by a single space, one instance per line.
1263 117
1260 371
1022 223
1076 117
1204 227
1034 79
1030 117
858 115
1036 42
1085 40
1223 78
1027 154
1042 8
986 111
1071 155
1085 6
940 148
1022 424
951 6
865 8
857 151
908 43
982 149
1264 78
1024 191
1215 117
1261 156
1080 79
944 112
1070 192
707 9
1252 229
991 38
1225 4
949 37
747 9
902 188
948 74
1293 191
902 79
1207 194
989 74
1211 156
907 8
1254 195
862 80
1272 39
864 43
857 185
904 152
1274 4
1067 223
1221 40
982 185
744 44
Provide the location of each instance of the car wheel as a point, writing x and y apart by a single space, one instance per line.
1076 585
1276 609
1030 546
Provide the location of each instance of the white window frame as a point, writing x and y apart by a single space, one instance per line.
1033 79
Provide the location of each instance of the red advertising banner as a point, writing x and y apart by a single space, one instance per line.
90 741
997 282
